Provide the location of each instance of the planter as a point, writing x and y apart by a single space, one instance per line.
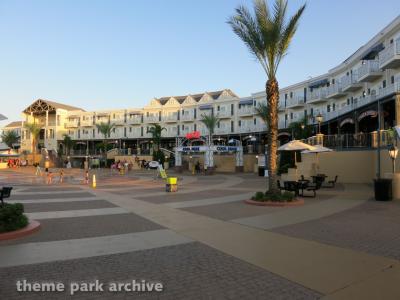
32 227
296 202
383 189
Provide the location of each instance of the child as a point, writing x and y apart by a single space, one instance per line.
61 175
49 177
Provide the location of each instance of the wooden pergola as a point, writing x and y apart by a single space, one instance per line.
39 107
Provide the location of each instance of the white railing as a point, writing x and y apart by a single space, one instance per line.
316 95
187 117
363 101
349 80
72 124
368 67
134 120
246 110
389 53
223 114
118 121
88 122
170 118
151 119
298 101
334 89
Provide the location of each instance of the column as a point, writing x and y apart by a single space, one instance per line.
397 109
239 159
46 131
356 123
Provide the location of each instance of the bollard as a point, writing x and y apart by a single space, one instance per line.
94 184
87 177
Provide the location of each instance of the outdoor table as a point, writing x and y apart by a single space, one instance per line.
319 177
302 184
292 186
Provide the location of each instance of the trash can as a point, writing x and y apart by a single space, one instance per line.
261 171
383 189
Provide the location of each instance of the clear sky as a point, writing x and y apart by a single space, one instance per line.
116 54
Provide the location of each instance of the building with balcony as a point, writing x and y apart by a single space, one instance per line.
360 95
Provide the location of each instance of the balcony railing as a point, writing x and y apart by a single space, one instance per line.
350 83
187 117
151 119
170 118
393 88
318 95
222 114
72 124
390 56
246 110
118 121
356 140
86 123
369 71
335 91
296 102
134 120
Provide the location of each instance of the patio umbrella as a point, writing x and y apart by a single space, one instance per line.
318 149
295 145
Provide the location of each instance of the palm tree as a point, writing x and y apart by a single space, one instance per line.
34 131
10 138
267 34
105 130
210 121
156 130
68 143
301 129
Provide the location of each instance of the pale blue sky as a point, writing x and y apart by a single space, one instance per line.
113 54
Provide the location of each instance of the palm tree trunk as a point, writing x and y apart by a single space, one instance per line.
272 91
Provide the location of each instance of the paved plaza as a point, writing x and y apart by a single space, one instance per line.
202 242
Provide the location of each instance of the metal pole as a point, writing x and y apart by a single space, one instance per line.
378 149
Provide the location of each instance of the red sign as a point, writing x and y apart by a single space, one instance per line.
193 135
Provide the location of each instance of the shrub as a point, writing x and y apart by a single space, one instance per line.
274 197
259 196
159 156
12 217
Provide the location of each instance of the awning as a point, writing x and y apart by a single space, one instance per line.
318 83
373 52
135 113
246 102
102 114
206 106
283 134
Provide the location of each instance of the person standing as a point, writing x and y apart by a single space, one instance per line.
38 170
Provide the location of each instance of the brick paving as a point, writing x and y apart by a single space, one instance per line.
82 227
60 206
373 227
30 196
190 271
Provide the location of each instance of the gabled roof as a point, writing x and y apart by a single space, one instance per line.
41 105
197 97
14 124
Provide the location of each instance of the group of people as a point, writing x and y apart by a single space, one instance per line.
121 166
16 163
49 174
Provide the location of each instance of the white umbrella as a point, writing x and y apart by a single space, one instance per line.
318 149
295 145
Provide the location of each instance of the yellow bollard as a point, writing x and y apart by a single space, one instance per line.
94 181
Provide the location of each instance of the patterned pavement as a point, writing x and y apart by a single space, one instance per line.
187 270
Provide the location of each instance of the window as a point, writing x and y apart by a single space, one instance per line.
305 113
312 112
391 41
232 110
218 124
286 117
141 131
255 121
348 101
240 123
291 116
255 103
195 113
392 80
124 131
384 84
364 94
291 95
333 106
195 127
328 108
130 129
232 126
113 130
369 91
285 96
93 132
333 80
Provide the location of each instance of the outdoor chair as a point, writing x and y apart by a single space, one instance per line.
332 183
280 187
5 192
313 188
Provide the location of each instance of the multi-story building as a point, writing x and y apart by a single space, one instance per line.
359 96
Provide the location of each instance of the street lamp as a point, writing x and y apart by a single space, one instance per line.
319 118
393 151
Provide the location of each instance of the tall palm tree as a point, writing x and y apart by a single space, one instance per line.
34 131
156 131
10 138
267 34
105 130
68 143
210 121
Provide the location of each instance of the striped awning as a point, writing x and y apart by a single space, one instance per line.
205 106
318 83
246 102
373 52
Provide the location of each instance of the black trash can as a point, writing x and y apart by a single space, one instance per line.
383 189
261 171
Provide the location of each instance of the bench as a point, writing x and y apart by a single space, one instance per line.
332 183
5 192
314 188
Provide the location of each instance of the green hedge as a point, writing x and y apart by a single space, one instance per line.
12 217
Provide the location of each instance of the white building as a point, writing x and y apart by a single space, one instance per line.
348 98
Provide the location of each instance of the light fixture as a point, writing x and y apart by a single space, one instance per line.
302 126
393 151
319 118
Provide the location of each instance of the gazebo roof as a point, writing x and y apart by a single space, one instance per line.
41 106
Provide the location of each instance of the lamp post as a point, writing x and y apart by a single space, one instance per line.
319 118
393 151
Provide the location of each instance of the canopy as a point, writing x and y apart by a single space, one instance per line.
295 145
318 149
